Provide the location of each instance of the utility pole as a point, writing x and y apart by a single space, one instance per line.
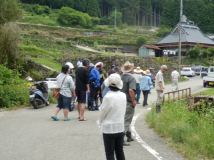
115 22
179 52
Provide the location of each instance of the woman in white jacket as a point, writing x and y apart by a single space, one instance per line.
112 113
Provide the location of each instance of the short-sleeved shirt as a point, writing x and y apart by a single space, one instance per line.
159 78
129 82
65 86
175 75
82 79
79 64
137 77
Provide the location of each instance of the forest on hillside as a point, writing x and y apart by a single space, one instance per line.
142 12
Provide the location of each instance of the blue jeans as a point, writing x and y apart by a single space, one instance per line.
138 91
63 102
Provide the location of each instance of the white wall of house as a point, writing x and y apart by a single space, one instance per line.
151 52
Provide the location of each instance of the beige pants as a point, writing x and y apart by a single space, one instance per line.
175 85
159 98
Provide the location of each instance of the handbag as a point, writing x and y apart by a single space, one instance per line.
56 92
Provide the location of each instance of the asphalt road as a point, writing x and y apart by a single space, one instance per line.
29 134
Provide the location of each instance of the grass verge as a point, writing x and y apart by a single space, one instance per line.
188 132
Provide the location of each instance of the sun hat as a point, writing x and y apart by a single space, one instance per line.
147 72
127 67
164 67
71 66
114 80
138 70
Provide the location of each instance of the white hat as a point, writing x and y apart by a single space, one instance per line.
147 72
138 70
164 67
71 66
114 80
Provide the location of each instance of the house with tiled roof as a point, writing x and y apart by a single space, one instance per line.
191 35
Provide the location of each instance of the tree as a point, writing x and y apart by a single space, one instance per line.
141 40
10 10
93 8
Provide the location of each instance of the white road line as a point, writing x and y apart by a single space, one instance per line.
139 139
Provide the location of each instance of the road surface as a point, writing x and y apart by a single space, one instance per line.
29 134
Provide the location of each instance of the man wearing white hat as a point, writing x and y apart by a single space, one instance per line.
159 86
129 88
175 77
137 75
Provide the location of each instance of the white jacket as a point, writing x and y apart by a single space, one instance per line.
112 112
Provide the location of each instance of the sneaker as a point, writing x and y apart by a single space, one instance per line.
96 108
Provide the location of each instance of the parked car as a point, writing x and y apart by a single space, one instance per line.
197 69
209 79
187 71
204 71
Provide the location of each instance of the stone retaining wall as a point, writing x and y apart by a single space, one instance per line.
144 63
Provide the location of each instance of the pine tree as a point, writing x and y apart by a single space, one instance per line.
93 8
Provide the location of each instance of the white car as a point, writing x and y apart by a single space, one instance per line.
187 71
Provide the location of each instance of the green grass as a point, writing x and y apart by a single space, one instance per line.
188 132
37 52
39 19
49 62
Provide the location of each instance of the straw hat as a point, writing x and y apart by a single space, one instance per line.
114 80
147 72
138 70
127 67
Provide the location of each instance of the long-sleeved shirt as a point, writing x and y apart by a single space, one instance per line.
67 86
145 83
94 76
112 112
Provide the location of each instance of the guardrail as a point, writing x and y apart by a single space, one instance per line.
179 97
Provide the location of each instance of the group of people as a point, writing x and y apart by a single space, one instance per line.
119 95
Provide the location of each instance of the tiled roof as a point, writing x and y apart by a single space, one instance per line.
151 47
190 34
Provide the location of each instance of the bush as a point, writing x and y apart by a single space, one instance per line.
123 26
104 20
95 20
13 90
68 16
141 40
163 31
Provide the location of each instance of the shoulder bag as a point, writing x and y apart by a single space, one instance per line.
56 92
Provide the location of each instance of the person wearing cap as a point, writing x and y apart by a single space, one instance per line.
129 88
145 86
71 66
137 75
79 63
159 86
111 119
175 78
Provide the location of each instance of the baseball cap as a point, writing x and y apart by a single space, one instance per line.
114 80
164 67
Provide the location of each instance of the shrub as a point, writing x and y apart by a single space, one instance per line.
141 40
13 90
95 20
123 26
69 16
104 20
163 31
